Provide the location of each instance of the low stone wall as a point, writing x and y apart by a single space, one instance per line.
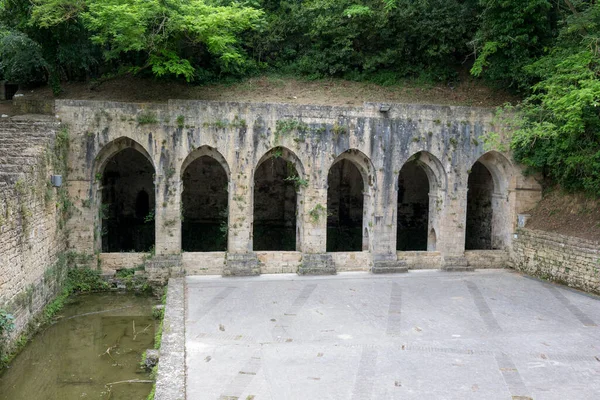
22 105
481 259
211 263
421 259
352 261
110 262
279 262
568 260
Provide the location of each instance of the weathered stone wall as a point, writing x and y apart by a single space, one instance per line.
568 260
446 142
31 218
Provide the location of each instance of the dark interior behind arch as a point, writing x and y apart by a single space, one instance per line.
204 206
275 198
413 208
479 209
345 203
128 198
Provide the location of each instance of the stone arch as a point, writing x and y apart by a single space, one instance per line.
278 183
488 219
418 203
287 155
431 240
123 172
206 151
113 147
344 205
205 180
363 163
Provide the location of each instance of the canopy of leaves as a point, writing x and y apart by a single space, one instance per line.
170 35
558 125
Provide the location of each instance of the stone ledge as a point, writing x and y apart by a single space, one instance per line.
389 267
170 380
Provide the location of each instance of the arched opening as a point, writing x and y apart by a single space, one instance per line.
345 206
479 209
431 240
276 186
204 208
127 209
413 208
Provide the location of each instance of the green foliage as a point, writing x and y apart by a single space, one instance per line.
152 393
158 313
146 118
84 280
172 36
369 38
180 121
316 212
557 128
21 59
6 322
510 35
298 182
149 217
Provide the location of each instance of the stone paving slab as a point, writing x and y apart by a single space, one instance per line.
491 334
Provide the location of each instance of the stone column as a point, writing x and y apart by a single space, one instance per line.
383 233
451 240
166 262
167 215
315 260
241 260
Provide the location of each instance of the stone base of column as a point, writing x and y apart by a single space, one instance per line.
389 267
456 264
317 264
241 264
161 267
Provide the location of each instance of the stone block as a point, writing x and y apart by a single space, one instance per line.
456 264
241 264
317 264
389 267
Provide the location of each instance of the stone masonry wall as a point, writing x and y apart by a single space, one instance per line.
568 260
446 141
31 230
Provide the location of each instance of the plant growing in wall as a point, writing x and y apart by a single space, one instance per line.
146 118
316 212
298 182
6 322
149 217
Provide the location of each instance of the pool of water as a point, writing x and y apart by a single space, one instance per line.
97 343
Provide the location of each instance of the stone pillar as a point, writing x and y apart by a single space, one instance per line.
315 260
383 237
451 241
241 260
167 215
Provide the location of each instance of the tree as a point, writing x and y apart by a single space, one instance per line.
511 34
558 125
171 35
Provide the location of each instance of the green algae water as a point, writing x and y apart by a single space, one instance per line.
90 353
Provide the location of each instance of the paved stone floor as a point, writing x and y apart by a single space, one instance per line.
490 334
